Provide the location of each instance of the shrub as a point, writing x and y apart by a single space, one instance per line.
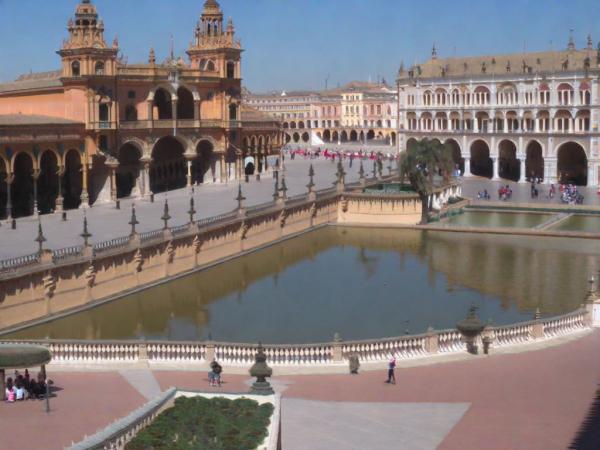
211 424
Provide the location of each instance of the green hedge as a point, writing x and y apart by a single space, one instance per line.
211 424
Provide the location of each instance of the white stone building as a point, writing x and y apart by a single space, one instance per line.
513 116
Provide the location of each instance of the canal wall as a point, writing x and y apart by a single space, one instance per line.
50 284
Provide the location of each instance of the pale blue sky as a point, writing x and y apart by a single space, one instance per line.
296 44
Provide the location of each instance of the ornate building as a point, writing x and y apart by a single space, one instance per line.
516 117
100 129
358 112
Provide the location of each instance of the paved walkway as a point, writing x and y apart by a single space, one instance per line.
106 222
530 401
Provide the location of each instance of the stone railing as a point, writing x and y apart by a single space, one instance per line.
119 433
112 244
307 355
13 264
64 254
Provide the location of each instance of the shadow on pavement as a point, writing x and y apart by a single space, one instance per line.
588 436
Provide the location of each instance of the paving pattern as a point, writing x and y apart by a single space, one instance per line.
529 400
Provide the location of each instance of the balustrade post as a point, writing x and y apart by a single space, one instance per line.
431 341
143 352
210 352
336 348
537 331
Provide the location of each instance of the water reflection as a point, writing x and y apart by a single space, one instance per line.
362 283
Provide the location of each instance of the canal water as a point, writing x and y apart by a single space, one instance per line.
487 219
362 283
584 223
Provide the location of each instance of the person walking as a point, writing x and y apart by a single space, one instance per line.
391 375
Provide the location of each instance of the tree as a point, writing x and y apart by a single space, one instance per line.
419 164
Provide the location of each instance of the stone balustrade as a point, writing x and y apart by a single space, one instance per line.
119 433
13 264
307 355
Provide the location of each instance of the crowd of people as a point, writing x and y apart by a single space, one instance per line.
505 193
332 155
570 195
23 387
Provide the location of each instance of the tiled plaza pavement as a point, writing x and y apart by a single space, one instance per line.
531 401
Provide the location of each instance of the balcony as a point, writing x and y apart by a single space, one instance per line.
181 124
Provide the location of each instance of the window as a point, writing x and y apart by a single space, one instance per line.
99 68
130 113
75 69
103 142
103 113
131 94
230 69
232 112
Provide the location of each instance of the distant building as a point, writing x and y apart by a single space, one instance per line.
358 112
514 117
99 128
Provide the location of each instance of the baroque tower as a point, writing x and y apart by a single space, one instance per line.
215 48
85 53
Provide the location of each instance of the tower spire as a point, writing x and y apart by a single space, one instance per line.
571 45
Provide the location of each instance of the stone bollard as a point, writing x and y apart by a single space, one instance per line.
13 224
64 216
143 353
431 341
210 352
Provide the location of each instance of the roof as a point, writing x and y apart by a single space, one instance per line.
516 63
27 119
250 114
37 80
354 86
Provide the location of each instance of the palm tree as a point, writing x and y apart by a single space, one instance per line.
419 163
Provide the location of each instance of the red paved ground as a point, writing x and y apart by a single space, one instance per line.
86 403
530 401
534 400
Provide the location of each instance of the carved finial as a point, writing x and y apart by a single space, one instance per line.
40 239
192 210
133 222
86 235
433 52
166 216
401 69
571 45
311 175
152 57
240 197
116 42
590 43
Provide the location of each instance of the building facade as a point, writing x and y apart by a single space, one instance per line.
99 129
358 112
515 117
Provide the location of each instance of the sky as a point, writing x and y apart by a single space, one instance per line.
304 44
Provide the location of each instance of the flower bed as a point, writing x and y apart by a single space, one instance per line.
212 424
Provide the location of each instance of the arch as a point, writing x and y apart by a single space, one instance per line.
230 69
353 136
73 180
233 111
327 136
534 160
301 125
293 125
296 137
453 147
103 112
131 113
185 104
370 135
285 125
305 137
344 136
99 68
47 182
410 143
163 108
203 167
509 166
572 164
393 138
3 186
128 172
22 187
335 137
168 170
481 163
207 65
75 69
288 138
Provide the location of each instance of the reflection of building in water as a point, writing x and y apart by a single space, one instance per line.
522 271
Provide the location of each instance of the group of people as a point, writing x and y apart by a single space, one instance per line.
483 195
505 193
570 195
214 376
339 154
23 387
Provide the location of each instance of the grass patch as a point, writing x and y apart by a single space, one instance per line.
211 424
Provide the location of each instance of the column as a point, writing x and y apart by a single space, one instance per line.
84 191
36 176
9 181
146 175
113 183
59 200
522 174
189 172
223 172
495 172
467 171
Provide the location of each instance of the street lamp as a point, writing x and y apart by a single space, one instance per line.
174 80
